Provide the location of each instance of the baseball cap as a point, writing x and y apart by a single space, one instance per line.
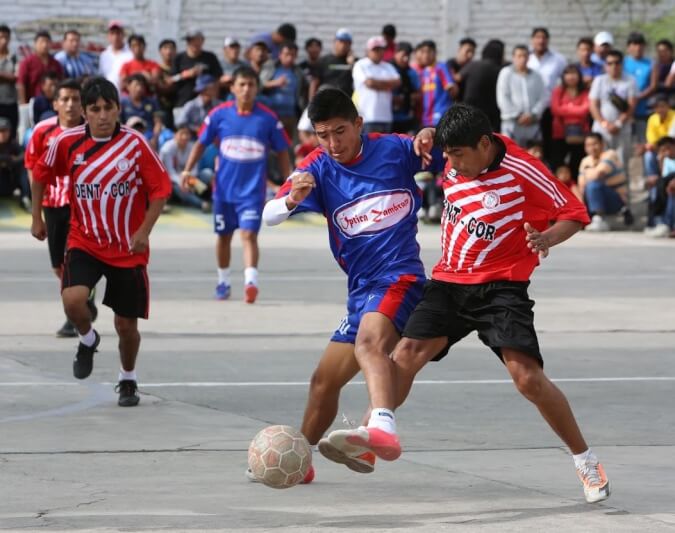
343 34
603 37
203 82
5 124
115 25
230 41
376 42
193 33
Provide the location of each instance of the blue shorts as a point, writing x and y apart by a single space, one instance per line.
395 297
228 217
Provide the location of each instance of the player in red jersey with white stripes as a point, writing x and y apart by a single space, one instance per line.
503 212
117 190
56 201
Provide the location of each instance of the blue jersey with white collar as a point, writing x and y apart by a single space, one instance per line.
371 206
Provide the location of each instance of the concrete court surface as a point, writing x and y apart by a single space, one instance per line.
477 456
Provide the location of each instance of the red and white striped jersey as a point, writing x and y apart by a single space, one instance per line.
111 183
483 234
44 135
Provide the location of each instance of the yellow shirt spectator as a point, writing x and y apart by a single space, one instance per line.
659 123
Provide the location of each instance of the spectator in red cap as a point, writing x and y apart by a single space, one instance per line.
117 53
35 66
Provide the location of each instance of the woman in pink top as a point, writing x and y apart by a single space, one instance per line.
571 120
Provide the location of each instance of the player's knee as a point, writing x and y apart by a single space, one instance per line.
249 236
125 327
74 303
321 385
409 356
529 382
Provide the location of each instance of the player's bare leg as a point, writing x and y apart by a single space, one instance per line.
409 357
129 343
249 241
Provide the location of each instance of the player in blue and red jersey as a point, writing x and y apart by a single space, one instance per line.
245 131
437 84
364 186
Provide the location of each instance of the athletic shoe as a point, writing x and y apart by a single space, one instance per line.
660 231
67 330
84 358
250 293
360 460
222 291
383 444
309 476
598 225
128 396
596 484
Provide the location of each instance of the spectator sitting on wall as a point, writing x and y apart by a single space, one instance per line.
195 111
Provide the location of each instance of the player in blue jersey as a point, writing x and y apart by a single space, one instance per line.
364 186
245 131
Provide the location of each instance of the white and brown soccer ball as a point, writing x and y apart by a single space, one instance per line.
279 456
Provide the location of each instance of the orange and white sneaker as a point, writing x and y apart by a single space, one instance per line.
383 444
355 458
594 479
250 293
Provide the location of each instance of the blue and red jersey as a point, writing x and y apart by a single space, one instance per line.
244 141
436 100
371 206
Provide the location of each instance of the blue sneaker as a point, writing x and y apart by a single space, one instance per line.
222 291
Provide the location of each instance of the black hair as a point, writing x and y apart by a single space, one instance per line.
540 29
572 68
664 141
462 125
431 44
183 126
287 31
71 32
595 135
5 29
389 30
405 46
329 103
49 75
661 99
68 83
136 37
520 47
290 45
467 40
533 143
164 42
635 37
245 72
585 40
313 40
662 42
616 53
43 33
493 51
140 79
98 87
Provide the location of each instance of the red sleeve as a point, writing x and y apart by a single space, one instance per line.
52 163
123 71
155 177
34 149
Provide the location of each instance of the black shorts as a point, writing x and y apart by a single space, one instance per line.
127 290
57 220
500 311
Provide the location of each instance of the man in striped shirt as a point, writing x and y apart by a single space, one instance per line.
75 64
117 190
56 200
503 212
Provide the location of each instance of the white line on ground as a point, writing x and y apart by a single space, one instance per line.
206 384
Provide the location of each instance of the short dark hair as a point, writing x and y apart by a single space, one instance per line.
164 42
404 46
49 75
290 45
287 31
136 37
98 87
389 30
585 40
661 99
520 47
140 79
183 126
635 37
429 43
467 40
331 102
71 32
42 33
616 53
664 141
245 72
462 125
493 51
665 42
5 29
595 135
68 83
313 40
540 29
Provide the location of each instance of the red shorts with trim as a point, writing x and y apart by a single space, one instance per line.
393 296
127 290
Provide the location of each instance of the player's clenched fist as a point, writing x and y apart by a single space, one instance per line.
302 185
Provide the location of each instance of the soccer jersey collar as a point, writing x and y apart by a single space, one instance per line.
102 139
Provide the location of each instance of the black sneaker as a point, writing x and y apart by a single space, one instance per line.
67 330
128 393
84 359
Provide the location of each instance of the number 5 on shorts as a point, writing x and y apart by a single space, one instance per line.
220 222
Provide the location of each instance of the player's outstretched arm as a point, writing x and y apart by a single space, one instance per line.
279 209
423 143
540 241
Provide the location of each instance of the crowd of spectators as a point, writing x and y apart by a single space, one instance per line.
584 116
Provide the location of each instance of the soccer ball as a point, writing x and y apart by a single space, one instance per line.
279 456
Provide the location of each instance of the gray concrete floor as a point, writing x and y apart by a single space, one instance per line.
477 456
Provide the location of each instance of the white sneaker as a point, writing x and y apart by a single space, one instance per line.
598 224
596 484
660 231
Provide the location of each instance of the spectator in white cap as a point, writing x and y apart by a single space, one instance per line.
112 58
603 43
189 65
336 69
374 83
230 62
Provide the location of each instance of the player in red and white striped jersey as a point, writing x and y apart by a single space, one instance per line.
117 190
503 212
56 201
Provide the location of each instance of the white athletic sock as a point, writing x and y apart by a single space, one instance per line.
581 458
224 276
251 276
88 339
127 375
383 419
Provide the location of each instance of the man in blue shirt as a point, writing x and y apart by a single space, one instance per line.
75 64
287 90
638 66
364 186
245 131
